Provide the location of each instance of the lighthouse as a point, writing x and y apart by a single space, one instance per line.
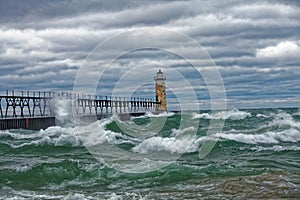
160 91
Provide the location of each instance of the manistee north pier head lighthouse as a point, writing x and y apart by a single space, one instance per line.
160 91
36 110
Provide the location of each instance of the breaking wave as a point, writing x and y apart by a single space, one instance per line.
178 141
155 115
289 135
230 114
185 144
282 119
95 133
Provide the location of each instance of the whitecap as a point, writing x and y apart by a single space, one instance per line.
282 119
152 115
289 135
170 144
261 115
229 114
180 142
276 148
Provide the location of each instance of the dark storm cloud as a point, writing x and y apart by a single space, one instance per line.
256 44
13 11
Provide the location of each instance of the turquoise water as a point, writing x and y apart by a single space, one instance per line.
256 155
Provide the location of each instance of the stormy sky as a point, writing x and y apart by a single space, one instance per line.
254 44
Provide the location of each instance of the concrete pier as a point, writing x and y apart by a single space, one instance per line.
32 123
36 110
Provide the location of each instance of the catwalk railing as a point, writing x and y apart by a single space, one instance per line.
24 104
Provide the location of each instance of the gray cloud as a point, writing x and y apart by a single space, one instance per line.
254 44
